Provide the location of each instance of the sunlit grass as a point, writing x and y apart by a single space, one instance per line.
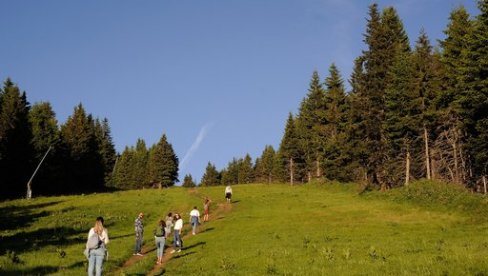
267 230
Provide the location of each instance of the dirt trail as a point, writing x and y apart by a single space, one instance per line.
148 249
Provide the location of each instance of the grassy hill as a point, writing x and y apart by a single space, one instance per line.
267 230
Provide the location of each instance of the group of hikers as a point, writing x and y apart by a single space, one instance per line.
96 245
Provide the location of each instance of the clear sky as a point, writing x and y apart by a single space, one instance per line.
218 77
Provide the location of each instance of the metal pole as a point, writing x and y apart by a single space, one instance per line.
29 189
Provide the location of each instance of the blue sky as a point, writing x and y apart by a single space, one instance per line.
218 77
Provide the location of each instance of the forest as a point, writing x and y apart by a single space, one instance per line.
413 111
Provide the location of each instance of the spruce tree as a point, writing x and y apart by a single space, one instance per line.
333 131
123 178
16 152
264 165
211 177
163 163
245 173
290 151
309 126
46 136
106 148
188 181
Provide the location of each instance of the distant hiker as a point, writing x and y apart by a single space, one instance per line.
139 227
206 208
228 193
177 242
169 223
160 238
194 219
96 247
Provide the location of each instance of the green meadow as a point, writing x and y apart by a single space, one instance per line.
313 229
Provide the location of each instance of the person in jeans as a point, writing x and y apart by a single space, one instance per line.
194 219
139 227
177 242
97 251
160 238
169 223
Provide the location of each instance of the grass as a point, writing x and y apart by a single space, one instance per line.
268 230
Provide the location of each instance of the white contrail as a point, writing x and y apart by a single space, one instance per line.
196 144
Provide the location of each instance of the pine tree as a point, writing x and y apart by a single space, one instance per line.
188 181
245 172
290 152
453 90
16 151
106 148
333 132
309 126
474 104
46 136
123 178
163 163
140 171
265 165
211 176
84 169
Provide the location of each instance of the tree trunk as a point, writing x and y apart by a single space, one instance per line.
291 171
309 175
456 163
407 168
318 172
427 155
484 183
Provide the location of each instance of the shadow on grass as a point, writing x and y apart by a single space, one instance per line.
184 255
121 236
38 270
207 230
195 245
15 217
28 241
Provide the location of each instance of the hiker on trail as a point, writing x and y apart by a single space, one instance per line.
169 223
160 238
206 208
96 247
228 193
139 227
194 219
178 242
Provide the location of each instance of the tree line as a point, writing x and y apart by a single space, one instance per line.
412 112
80 154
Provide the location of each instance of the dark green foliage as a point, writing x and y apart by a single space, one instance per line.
245 174
16 152
85 172
188 181
211 177
264 166
291 156
45 131
106 148
163 163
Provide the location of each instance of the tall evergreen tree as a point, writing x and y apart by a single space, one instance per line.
333 132
474 104
290 152
309 126
245 173
106 148
188 181
123 178
163 163
264 165
46 136
16 151
211 176
140 171
84 169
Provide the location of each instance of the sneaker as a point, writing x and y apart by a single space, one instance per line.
172 251
193 234
179 250
139 254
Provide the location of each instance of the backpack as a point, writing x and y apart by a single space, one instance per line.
159 231
93 241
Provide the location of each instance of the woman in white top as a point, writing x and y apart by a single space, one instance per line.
178 242
228 193
96 245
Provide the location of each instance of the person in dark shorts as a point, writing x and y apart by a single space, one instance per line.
228 193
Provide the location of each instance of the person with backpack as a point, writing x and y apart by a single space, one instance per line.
96 247
169 223
160 238
139 228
